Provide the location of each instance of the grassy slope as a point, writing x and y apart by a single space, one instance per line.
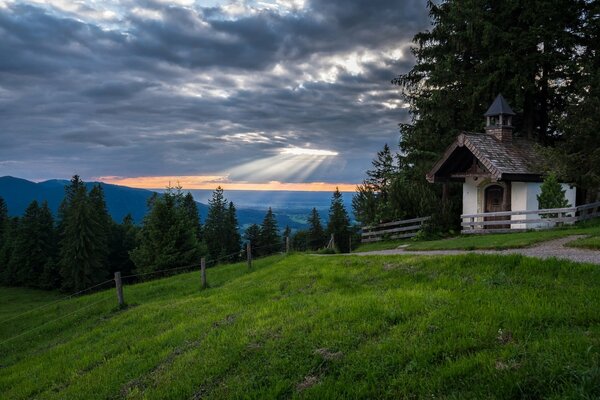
494 241
321 327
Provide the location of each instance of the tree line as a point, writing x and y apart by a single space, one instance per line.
84 246
542 56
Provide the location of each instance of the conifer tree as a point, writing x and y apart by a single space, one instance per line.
191 210
83 239
269 240
33 246
339 223
123 239
252 235
371 203
317 238
233 242
214 228
3 220
552 195
7 275
50 277
102 222
167 240
4 238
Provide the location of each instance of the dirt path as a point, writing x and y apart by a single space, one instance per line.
552 248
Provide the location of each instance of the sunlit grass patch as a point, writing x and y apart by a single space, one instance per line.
320 327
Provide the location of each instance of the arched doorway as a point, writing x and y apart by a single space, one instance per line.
494 196
494 202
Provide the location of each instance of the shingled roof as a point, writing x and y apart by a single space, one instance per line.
512 160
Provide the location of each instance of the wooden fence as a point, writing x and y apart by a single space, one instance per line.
505 221
393 230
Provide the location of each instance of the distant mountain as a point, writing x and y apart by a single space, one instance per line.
120 200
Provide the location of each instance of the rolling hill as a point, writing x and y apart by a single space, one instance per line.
301 326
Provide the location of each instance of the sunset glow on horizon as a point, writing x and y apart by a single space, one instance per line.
211 182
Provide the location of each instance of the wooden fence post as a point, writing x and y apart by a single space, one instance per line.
203 272
287 244
249 254
119 286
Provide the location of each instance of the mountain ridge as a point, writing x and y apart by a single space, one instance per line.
120 200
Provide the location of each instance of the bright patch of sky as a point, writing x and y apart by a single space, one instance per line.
260 91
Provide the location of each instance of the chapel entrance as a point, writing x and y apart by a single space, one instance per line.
494 202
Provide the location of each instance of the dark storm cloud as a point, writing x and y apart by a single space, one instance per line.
160 89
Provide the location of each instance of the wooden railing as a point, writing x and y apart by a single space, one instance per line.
504 221
393 230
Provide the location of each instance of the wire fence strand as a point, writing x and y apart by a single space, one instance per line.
56 301
53 320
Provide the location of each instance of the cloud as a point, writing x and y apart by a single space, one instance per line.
136 88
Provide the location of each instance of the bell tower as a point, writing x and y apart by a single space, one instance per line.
499 120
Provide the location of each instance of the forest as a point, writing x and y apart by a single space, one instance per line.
84 246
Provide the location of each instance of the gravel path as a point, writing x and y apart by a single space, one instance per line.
552 248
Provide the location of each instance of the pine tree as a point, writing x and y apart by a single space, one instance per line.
269 240
191 210
83 246
577 154
300 241
34 245
252 235
4 239
214 228
167 240
552 195
339 223
8 275
317 238
233 243
102 223
123 239
50 277
3 220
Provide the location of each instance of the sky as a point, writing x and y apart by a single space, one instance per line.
273 94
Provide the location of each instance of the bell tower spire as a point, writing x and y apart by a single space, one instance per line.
499 120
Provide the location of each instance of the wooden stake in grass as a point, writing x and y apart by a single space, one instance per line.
203 272
249 254
119 286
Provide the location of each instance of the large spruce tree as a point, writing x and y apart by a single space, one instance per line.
214 229
167 239
339 223
83 246
477 49
233 243
191 210
269 239
316 236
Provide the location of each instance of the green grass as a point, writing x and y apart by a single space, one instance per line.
383 245
464 327
592 243
493 241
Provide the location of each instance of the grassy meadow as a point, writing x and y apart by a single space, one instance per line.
499 241
302 326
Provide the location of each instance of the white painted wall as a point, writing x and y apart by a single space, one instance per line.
470 196
524 197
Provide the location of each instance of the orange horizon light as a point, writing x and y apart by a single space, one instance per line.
211 182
